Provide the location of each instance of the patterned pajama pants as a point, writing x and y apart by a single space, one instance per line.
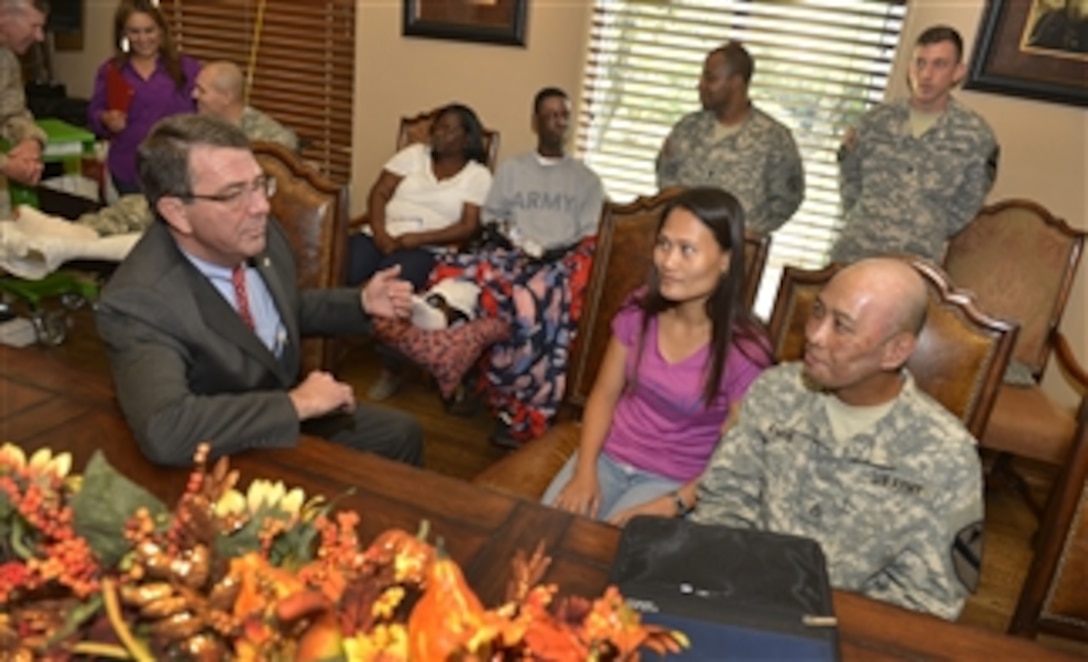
525 377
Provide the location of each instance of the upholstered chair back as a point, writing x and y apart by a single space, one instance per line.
1019 261
313 211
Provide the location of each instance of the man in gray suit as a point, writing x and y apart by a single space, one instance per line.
203 318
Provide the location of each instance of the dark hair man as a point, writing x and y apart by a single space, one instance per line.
203 319
734 145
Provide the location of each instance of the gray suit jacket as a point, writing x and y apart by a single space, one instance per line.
185 366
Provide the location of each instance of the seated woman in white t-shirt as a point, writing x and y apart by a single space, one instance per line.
427 197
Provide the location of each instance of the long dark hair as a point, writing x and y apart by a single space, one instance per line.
474 131
171 61
722 214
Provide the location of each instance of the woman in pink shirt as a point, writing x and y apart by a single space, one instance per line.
683 353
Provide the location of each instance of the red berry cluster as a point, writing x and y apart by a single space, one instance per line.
49 551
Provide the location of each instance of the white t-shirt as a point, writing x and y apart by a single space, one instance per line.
421 202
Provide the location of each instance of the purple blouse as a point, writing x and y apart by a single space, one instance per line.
662 424
153 99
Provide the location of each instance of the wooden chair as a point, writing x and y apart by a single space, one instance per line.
417 129
1020 263
621 263
961 353
1053 599
314 212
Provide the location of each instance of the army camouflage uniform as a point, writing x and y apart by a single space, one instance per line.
260 126
16 122
759 164
129 213
897 508
902 194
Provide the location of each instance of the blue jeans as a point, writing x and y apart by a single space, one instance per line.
621 486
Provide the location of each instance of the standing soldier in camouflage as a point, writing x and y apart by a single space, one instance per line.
845 449
21 26
219 91
915 171
733 145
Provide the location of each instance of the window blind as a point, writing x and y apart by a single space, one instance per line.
304 70
819 64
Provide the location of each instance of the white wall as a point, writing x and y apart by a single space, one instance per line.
398 76
76 69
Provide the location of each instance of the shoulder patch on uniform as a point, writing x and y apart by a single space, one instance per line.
967 554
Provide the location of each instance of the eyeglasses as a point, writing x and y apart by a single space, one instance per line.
239 195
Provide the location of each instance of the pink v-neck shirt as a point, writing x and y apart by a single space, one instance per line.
662 424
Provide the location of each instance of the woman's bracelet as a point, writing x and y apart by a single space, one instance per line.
682 509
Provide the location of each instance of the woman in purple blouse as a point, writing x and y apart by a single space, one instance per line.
683 352
146 81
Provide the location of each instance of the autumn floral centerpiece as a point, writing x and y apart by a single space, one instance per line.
95 566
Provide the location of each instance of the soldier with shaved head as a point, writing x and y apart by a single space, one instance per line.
845 449
220 92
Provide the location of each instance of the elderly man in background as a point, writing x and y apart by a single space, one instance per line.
734 145
845 449
22 24
219 91
913 172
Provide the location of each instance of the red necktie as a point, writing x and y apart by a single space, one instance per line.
238 278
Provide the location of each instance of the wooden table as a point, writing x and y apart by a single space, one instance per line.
57 399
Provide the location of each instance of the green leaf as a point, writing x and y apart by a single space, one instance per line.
83 611
294 547
22 542
6 507
7 516
241 542
105 502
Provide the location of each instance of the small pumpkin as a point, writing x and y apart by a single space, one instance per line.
446 616
409 555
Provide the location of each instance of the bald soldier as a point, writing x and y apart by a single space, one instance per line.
845 449
220 91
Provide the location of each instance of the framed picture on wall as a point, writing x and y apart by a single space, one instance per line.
1033 48
487 21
